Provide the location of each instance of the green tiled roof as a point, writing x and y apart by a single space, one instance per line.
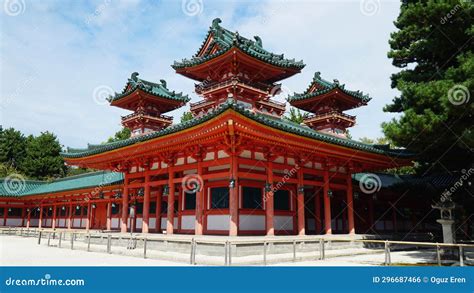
101 178
15 186
263 119
159 90
227 40
326 87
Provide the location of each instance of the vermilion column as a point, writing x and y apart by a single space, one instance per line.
269 211
53 225
159 197
300 200
123 227
146 205
109 216
88 219
350 203
327 203
69 219
28 217
170 221
199 200
40 217
234 197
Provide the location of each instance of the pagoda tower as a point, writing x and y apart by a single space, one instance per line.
229 65
327 101
148 101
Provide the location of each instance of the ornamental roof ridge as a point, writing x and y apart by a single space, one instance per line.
327 86
227 39
156 89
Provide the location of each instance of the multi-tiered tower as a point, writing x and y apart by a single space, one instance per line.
148 101
327 102
229 65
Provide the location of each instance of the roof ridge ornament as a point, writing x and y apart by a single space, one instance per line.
258 40
163 83
317 75
336 82
215 23
134 76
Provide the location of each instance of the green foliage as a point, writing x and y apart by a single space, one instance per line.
42 160
122 134
12 147
186 116
296 116
6 170
378 140
71 171
433 46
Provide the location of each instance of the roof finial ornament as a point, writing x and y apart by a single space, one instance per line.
258 40
336 82
134 76
317 75
163 83
215 23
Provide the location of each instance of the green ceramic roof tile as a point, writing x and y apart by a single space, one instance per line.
15 186
326 86
87 180
159 90
264 119
227 40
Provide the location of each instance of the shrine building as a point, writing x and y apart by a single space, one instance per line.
238 167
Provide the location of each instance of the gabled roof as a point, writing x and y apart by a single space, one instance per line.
319 86
87 180
159 90
230 104
225 40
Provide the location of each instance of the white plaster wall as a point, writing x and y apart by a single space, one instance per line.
283 223
48 222
34 222
13 222
115 223
151 223
62 223
187 222
164 220
218 222
251 222
76 223
83 223
139 223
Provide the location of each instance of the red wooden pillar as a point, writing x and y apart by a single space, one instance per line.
269 210
327 203
159 197
124 226
28 218
69 219
40 218
170 221
300 200
146 204
199 200
234 196
109 216
317 206
88 219
350 203
53 224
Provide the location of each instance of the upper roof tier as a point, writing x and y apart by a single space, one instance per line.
223 46
137 91
321 90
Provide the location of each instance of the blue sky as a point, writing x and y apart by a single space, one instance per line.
56 56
